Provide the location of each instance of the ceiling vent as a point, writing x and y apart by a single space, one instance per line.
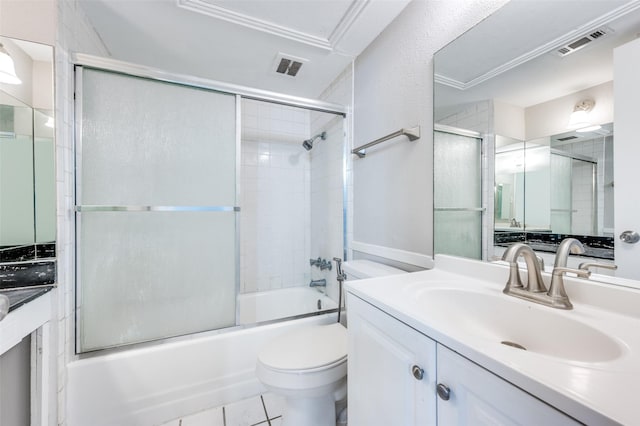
288 64
583 41
567 138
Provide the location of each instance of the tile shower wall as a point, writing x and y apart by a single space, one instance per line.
275 203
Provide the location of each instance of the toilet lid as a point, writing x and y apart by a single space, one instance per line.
307 348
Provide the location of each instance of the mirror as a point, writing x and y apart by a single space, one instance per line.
517 78
27 155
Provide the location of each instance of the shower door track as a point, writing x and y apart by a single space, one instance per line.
105 64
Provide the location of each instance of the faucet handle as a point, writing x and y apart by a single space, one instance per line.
586 265
559 270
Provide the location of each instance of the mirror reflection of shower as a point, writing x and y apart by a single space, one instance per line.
308 144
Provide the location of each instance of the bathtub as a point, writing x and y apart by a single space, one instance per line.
155 383
282 303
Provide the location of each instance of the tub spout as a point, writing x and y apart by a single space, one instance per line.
318 283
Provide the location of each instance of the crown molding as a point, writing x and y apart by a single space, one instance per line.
330 44
542 49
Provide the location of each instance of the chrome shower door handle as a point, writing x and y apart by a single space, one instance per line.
629 237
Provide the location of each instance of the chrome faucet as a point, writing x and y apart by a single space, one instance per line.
558 295
318 283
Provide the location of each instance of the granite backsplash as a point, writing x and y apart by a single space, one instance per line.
27 265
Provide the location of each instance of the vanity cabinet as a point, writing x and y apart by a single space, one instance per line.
385 388
479 397
392 370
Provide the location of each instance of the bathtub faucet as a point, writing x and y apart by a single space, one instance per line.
318 283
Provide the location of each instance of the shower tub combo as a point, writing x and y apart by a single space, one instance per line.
165 326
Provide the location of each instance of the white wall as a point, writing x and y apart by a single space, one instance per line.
32 20
393 89
551 118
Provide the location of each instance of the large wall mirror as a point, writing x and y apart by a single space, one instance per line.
534 81
27 153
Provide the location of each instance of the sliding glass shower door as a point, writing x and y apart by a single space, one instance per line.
155 209
457 193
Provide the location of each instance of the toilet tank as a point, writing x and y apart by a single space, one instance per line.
361 269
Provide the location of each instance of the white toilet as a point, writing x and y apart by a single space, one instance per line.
308 366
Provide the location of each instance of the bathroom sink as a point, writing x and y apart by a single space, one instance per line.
517 324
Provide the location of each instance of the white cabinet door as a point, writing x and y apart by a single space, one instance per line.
478 397
383 352
626 151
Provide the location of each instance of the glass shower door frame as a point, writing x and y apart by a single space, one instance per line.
439 128
79 208
104 64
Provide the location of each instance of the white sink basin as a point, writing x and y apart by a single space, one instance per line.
518 324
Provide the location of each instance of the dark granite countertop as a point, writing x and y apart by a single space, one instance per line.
20 296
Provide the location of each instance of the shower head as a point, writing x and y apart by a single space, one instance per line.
308 144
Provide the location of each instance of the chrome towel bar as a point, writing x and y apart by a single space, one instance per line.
412 133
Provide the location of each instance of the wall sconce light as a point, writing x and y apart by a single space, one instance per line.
579 118
7 68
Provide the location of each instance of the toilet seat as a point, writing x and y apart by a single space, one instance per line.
309 349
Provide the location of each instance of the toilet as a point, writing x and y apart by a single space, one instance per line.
308 366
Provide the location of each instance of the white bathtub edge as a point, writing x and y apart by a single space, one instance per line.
150 386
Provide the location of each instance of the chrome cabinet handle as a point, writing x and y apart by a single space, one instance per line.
418 372
443 391
630 237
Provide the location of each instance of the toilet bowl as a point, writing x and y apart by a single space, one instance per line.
308 366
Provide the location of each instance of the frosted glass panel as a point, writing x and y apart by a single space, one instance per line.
150 275
172 141
458 179
458 233
561 194
457 195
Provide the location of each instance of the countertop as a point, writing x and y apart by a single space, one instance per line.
30 308
602 393
20 296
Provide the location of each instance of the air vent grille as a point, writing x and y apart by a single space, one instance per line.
567 138
583 41
288 64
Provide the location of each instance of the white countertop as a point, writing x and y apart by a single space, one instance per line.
603 392
22 321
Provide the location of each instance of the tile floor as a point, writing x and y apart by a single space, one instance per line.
263 410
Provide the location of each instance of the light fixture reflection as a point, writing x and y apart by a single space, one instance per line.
579 118
7 68
49 122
